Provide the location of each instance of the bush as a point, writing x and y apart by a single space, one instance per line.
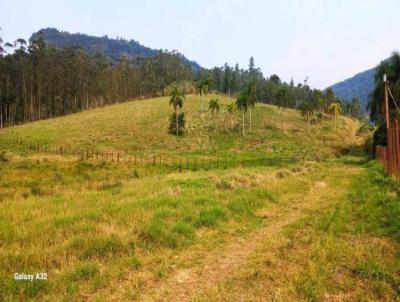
181 122
380 136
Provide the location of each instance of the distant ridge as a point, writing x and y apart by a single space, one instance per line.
111 48
360 85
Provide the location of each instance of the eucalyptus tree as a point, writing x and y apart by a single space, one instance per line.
231 111
176 101
355 107
242 105
307 109
335 109
251 99
213 105
283 102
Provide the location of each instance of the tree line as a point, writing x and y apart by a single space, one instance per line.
376 105
37 82
233 81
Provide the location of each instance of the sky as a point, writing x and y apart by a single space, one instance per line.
324 40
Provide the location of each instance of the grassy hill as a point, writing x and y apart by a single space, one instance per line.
142 127
108 231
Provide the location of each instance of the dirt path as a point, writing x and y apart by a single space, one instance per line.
217 265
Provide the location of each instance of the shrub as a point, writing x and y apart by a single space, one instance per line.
172 123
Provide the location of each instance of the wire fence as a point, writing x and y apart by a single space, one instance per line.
178 162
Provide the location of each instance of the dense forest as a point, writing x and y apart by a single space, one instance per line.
38 81
111 48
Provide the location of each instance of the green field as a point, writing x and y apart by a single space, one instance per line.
108 231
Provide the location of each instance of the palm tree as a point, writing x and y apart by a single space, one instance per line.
252 98
231 110
307 109
213 105
176 100
335 108
202 88
242 105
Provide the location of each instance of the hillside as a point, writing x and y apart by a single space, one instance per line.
104 229
360 85
111 48
128 128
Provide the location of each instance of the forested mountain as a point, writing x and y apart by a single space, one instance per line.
111 48
360 85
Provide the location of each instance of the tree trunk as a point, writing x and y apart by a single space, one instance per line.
250 121
243 122
177 123
202 106
335 119
214 122
284 120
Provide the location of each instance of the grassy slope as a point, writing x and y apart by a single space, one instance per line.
123 231
142 126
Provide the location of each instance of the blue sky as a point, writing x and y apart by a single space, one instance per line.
325 40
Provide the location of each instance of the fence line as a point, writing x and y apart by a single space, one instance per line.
179 163
389 156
